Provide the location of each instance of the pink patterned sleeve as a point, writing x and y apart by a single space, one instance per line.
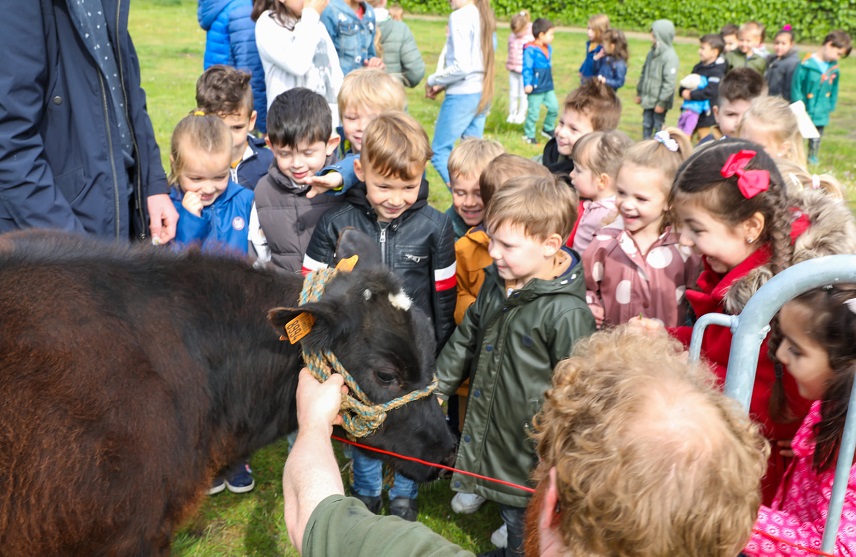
777 525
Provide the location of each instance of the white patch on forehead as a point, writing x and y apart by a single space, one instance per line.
401 301
367 294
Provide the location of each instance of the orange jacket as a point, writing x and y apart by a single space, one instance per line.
472 258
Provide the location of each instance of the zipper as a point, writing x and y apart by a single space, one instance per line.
110 149
382 241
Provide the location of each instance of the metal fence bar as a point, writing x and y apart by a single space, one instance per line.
700 326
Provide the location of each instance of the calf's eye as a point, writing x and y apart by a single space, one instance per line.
385 377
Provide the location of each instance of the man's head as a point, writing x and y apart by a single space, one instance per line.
299 125
395 152
640 454
505 167
593 106
728 32
750 36
836 45
226 92
542 30
365 93
736 91
710 48
466 163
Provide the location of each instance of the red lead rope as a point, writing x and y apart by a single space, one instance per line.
530 490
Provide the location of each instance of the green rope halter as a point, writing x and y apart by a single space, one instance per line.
359 415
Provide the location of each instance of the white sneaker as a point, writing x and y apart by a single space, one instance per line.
499 538
466 503
511 118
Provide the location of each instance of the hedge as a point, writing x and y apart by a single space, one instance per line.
811 20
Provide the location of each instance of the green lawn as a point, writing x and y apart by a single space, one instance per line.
171 45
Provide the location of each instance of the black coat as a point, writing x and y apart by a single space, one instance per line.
780 73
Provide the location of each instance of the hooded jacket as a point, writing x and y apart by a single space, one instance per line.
418 246
538 67
472 258
401 56
817 89
508 345
780 73
222 226
656 85
231 40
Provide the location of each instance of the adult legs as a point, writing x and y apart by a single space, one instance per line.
457 116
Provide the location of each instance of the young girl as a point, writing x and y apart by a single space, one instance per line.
817 346
596 156
467 78
396 44
782 64
797 179
613 66
296 50
597 25
771 123
732 208
521 33
635 266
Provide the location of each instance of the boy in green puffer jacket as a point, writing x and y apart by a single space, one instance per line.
816 84
656 88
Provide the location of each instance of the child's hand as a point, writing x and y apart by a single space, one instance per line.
598 313
599 54
527 89
638 100
785 448
323 184
317 5
192 203
375 63
646 325
659 109
686 94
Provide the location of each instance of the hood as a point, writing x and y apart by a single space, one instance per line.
832 232
208 10
381 14
357 196
664 33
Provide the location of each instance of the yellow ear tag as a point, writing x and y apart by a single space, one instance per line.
347 265
299 327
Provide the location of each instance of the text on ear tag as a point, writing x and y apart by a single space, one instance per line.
347 265
299 327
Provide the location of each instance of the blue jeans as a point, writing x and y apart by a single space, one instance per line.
457 118
514 518
368 479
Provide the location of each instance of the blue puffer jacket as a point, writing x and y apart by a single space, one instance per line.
231 40
223 226
537 68
353 37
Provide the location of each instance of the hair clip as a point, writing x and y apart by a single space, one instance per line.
198 113
796 181
786 27
663 137
749 182
815 182
851 304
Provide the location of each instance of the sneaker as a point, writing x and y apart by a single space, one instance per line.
530 140
548 134
511 118
405 508
466 503
499 538
372 502
217 486
242 481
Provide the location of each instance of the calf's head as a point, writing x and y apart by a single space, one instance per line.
387 345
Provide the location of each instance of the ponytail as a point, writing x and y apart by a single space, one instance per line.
488 30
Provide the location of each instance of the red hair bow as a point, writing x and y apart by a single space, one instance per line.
749 182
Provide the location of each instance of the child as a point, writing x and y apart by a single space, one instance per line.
285 28
284 216
351 25
749 52
466 163
733 210
656 88
396 12
528 314
770 122
696 113
613 66
467 78
816 84
521 34
818 349
365 94
635 265
782 64
401 56
538 81
226 93
736 91
417 244
798 179
728 32
230 40
597 25
597 157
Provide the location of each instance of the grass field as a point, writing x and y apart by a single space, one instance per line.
170 45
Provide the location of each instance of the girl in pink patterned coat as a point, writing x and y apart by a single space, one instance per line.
635 265
817 345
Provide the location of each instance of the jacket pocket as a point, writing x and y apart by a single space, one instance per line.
410 256
71 184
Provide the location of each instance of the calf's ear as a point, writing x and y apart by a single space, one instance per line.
320 322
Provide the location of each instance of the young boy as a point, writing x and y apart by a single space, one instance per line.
696 113
656 88
417 244
728 32
466 163
227 92
538 81
527 317
782 64
364 94
816 83
750 51
736 91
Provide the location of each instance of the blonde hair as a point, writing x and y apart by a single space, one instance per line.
541 206
488 28
471 155
505 167
652 153
395 145
396 12
601 152
797 179
197 130
773 117
372 88
519 21
598 23
755 28
651 459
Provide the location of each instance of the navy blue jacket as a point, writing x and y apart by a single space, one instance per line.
254 168
614 71
537 68
60 155
231 40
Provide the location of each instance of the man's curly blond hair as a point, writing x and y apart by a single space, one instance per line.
651 459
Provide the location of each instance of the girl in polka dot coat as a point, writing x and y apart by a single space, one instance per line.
635 265
816 341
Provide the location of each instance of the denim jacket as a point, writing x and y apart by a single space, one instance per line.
353 37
